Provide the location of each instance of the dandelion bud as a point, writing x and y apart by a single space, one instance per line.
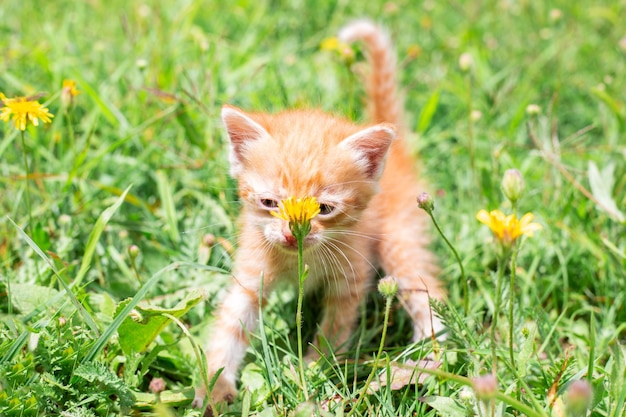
476 115
556 15
512 185
578 398
208 240
533 109
388 287
466 62
141 64
485 386
157 385
133 252
64 219
426 202
205 248
466 396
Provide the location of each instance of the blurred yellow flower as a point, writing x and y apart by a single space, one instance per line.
342 49
508 228
69 88
297 210
24 110
414 51
331 44
68 93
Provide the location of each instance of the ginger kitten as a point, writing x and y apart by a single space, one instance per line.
366 184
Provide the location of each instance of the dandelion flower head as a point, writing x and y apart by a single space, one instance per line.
23 110
297 210
508 228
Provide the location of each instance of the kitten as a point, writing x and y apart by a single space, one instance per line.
366 184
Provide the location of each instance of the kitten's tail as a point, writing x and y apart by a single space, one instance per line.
384 105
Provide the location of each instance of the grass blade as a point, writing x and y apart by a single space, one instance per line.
88 319
94 236
165 192
428 112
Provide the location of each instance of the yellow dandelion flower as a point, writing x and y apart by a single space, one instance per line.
331 44
24 110
414 51
508 228
69 88
297 210
342 49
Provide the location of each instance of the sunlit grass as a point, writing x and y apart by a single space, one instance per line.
539 89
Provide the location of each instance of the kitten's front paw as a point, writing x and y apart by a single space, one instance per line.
199 396
223 391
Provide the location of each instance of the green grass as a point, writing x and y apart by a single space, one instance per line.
153 77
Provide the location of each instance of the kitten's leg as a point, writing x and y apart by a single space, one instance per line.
404 254
341 306
237 315
340 314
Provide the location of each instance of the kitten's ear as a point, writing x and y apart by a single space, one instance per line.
369 147
241 130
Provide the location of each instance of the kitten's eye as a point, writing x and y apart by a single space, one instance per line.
326 209
268 203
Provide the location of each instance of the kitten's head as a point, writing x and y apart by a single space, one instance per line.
300 154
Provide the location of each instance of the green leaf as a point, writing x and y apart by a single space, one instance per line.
601 183
28 297
121 316
146 400
526 349
254 383
446 406
136 335
428 111
41 237
618 379
107 381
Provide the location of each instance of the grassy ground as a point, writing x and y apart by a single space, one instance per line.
152 78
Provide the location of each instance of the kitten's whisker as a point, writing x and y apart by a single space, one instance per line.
335 265
357 252
347 232
336 251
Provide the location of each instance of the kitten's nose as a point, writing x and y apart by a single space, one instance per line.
290 239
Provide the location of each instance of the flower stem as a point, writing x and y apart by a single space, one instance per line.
30 213
511 306
496 314
512 302
458 260
70 128
301 277
388 301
